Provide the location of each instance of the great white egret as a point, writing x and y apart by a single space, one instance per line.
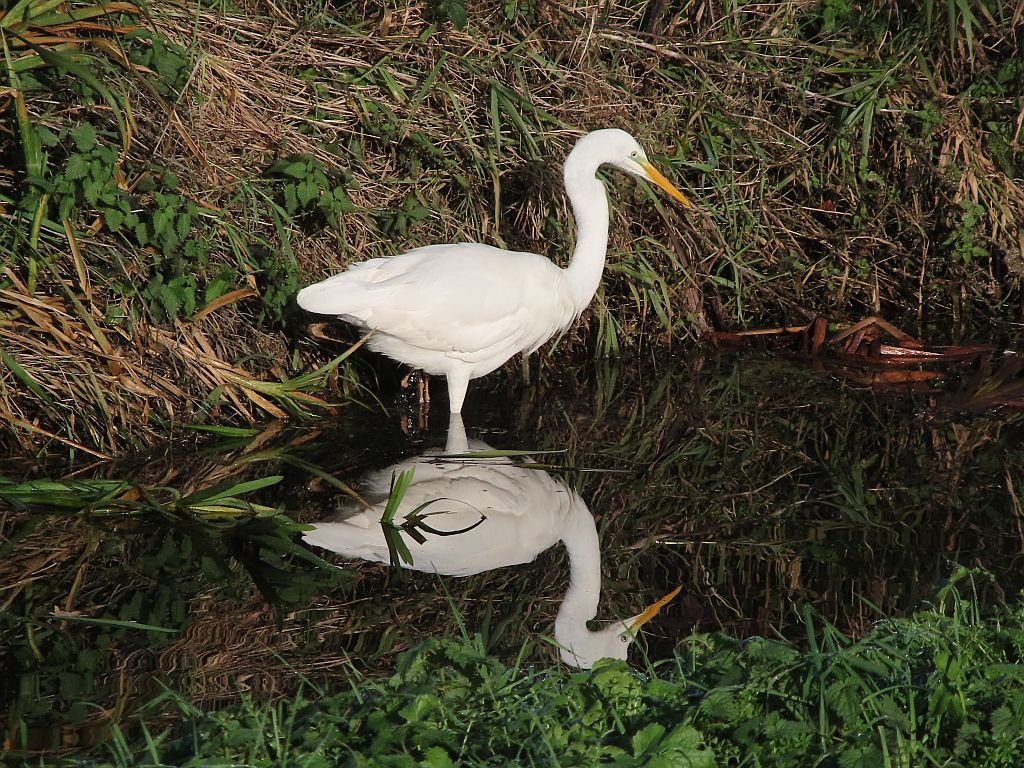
461 310
505 514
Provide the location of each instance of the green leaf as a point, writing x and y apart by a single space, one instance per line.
645 740
296 169
168 301
291 204
457 13
420 707
683 747
1004 722
865 756
183 225
160 221
47 137
306 192
169 179
84 137
114 219
341 201
436 757
77 168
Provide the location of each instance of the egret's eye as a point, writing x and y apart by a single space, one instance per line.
635 155
624 637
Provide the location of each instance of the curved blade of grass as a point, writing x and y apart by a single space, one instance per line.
25 378
292 393
25 11
227 490
397 548
113 623
72 64
414 520
229 509
224 431
323 474
80 14
498 454
82 495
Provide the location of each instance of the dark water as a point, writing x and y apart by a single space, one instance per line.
757 485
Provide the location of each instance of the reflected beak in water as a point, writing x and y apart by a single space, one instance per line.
651 611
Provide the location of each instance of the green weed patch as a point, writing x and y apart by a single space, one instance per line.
944 686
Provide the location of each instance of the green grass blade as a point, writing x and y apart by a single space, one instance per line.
227 490
25 378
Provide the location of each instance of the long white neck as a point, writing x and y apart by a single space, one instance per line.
581 600
590 208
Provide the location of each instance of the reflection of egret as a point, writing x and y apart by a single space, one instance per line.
462 310
508 514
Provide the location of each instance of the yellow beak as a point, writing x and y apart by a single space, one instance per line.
653 610
656 176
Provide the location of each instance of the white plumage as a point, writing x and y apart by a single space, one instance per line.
505 514
462 310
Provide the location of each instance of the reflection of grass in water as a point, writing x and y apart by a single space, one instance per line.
943 686
98 578
762 485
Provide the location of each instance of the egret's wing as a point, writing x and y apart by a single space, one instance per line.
459 298
494 515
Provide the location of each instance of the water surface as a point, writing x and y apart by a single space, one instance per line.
759 486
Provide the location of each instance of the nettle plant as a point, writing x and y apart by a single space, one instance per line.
66 63
308 192
61 59
75 71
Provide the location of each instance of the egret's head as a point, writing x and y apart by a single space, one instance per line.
612 642
617 148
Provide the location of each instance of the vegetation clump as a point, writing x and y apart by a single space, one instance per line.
944 686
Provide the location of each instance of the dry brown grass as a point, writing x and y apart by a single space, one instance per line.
254 99
96 388
765 127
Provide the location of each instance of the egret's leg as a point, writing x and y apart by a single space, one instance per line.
457 385
422 379
423 391
457 440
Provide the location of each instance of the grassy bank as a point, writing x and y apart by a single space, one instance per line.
944 686
175 171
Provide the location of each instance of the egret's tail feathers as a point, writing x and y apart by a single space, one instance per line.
331 297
